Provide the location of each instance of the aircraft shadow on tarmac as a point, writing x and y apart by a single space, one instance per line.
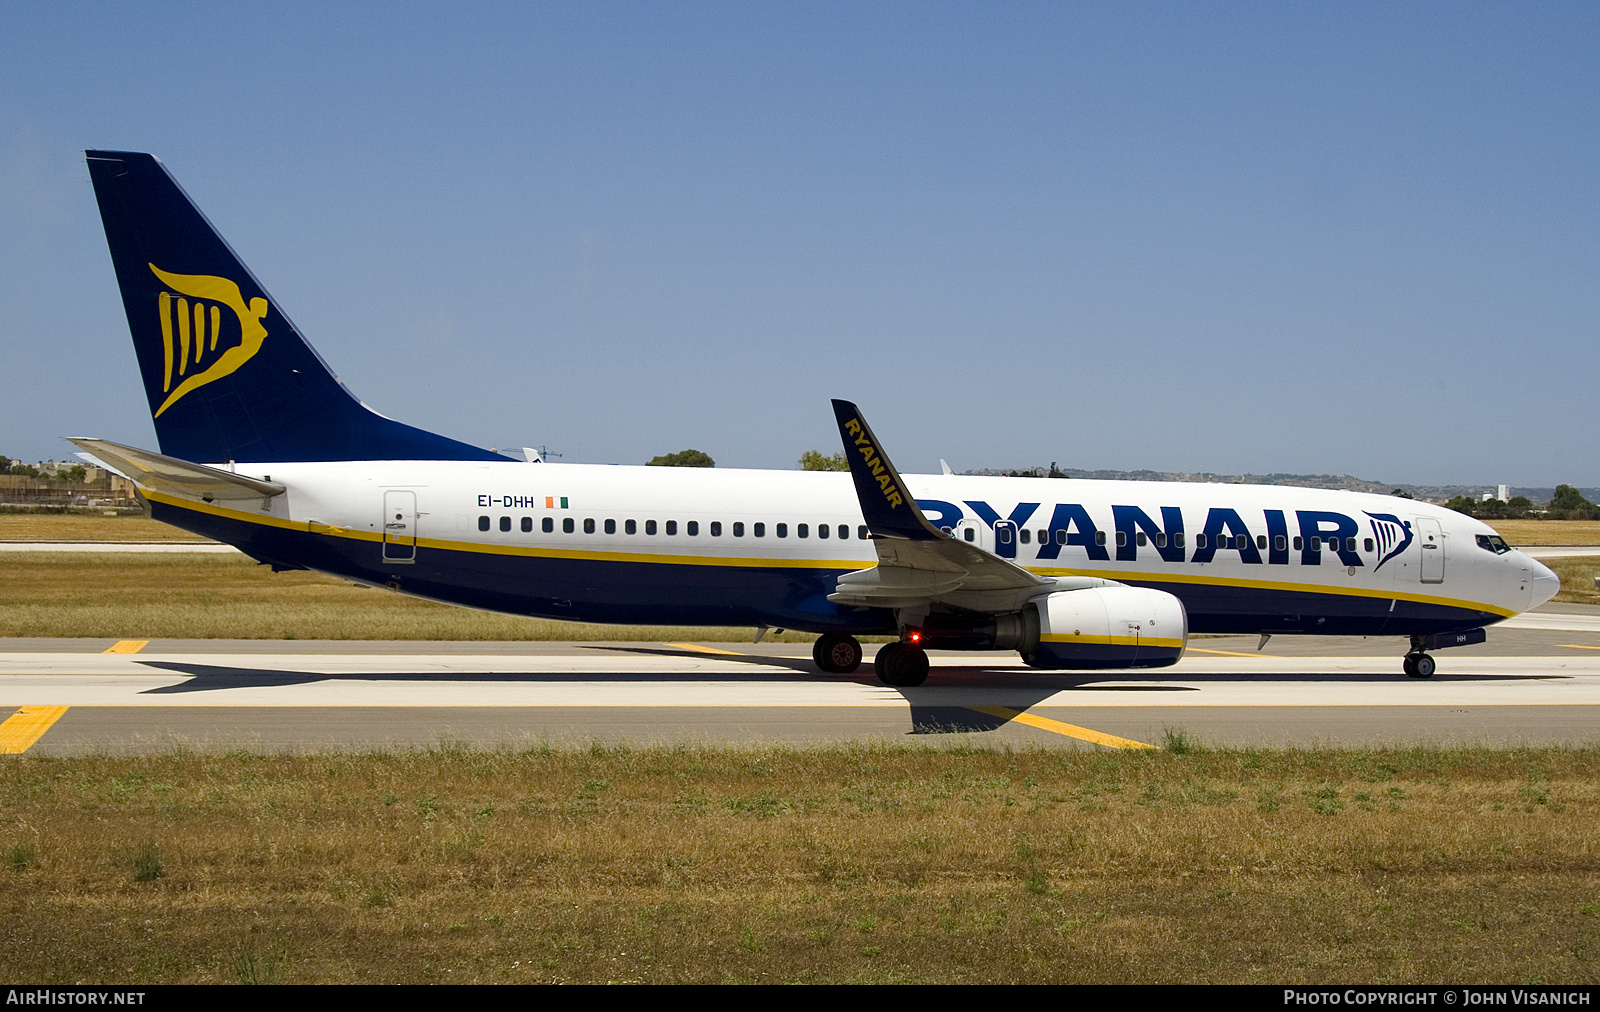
932 709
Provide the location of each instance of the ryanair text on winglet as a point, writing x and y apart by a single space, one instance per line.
869 453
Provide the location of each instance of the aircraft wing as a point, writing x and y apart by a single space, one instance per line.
179 477
917 563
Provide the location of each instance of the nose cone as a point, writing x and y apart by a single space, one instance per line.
1542 583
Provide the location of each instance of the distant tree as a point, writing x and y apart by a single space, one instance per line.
5 464
683 458
813 460
1491 509
73 473
1463 504
1569 504
27 469
1519 506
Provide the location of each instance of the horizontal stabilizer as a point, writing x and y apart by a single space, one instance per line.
180 477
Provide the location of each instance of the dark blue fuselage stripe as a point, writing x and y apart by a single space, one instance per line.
588 590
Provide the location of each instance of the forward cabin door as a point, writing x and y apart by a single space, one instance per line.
399 526
1430 537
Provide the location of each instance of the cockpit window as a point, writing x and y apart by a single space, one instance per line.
1493 543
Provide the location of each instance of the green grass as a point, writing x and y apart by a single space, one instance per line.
843 864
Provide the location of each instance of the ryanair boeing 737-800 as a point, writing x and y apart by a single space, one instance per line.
262 447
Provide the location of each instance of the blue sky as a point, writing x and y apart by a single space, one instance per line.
1237 238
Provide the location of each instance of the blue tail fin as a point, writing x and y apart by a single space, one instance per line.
228 376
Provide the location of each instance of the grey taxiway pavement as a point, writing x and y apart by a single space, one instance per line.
1536 681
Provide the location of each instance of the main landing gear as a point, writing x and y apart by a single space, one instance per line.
901 664
1419 665
836 653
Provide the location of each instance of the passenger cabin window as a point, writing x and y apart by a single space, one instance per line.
1297 543
548 525
672 526
844 532
650 527
1177 539
1024 535
716 528
505 523
760 530
1061 537
1044 536
738 529
801 531
588 525
1003 535
1199 540
1161 539
969 534
822 530
483 523
692 528
862 532
1316 544
566 525
1366 545
527 525
611 527
783 530
630 527
1280 543
1261 541
1143 541
1099 537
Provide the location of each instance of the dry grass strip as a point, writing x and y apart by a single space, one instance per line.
851 863
77 527
231 597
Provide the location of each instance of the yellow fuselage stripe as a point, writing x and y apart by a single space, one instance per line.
1058 727
27 726
1124 576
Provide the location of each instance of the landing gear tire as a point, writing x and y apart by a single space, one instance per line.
836 653
901 665
1419 666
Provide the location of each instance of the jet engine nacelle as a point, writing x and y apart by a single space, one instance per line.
1109 627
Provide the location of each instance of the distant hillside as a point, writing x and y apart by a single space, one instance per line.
1435 493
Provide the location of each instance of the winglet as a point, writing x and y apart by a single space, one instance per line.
886 503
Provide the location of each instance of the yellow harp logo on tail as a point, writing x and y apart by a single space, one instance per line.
190 331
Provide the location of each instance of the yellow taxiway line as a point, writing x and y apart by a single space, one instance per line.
26 726
1578 646
1070 730
697 648
126 647
1230 653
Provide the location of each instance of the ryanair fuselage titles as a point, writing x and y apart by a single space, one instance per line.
263 448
